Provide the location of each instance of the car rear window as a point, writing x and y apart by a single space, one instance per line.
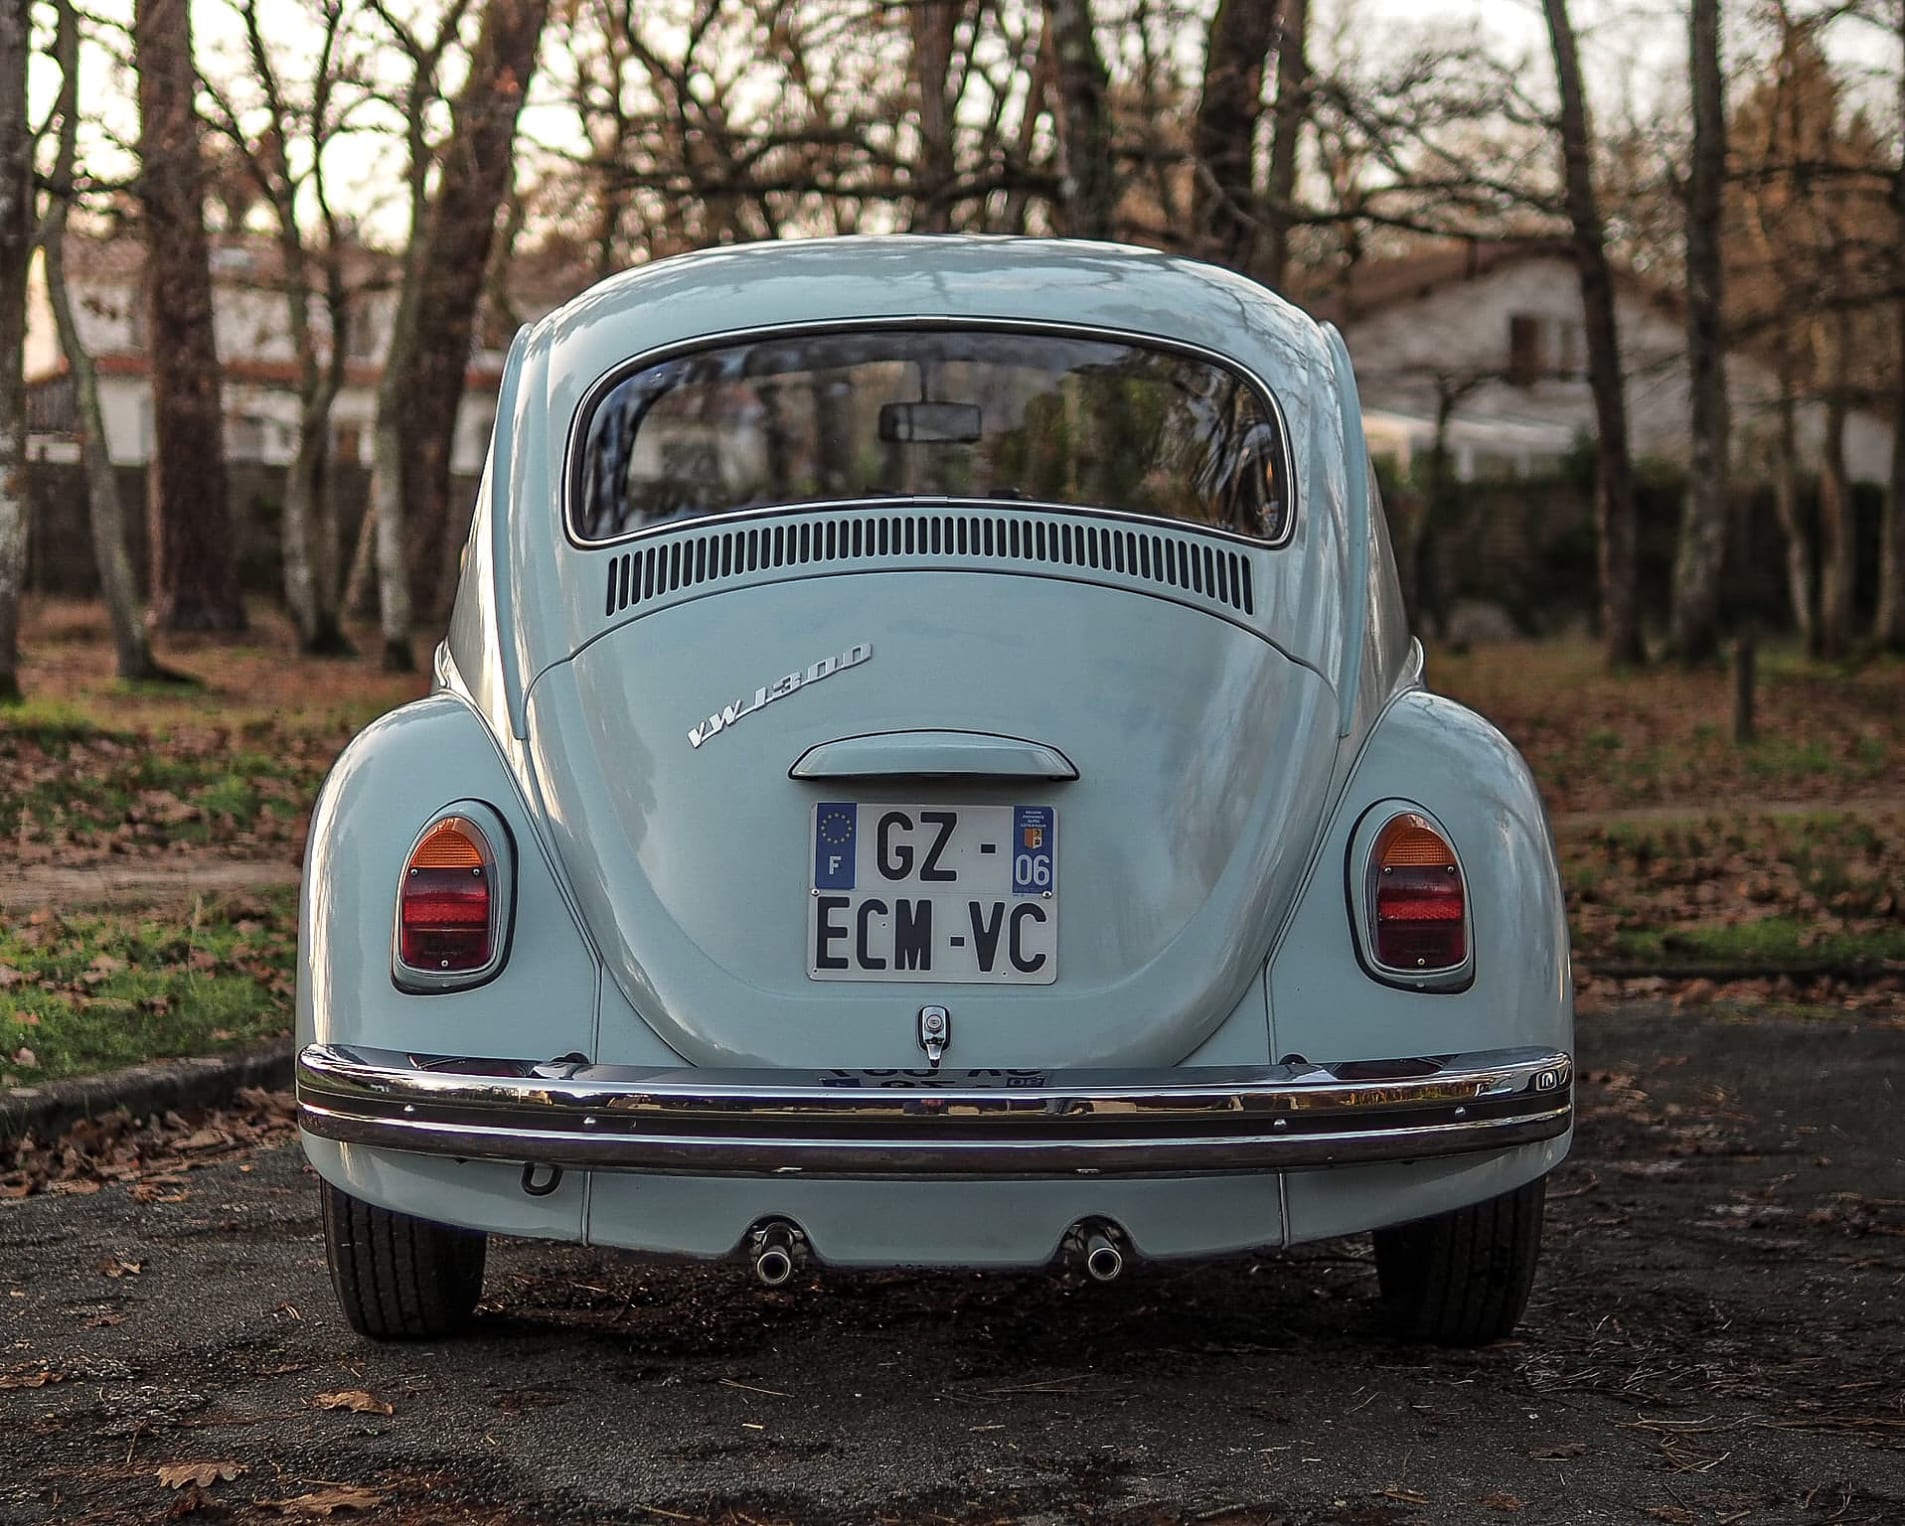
900 413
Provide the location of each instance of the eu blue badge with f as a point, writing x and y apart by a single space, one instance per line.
834 827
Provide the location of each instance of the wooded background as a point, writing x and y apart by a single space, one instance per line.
1759 178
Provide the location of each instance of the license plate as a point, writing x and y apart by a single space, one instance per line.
963 893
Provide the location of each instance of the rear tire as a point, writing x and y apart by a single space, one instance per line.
1462 1278
398 1277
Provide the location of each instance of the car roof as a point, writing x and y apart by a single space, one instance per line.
751 287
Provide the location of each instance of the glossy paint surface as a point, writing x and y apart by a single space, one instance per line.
1226 749
1203 757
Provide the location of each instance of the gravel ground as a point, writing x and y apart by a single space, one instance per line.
1718 1335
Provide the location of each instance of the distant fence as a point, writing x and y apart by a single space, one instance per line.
1527 547
59 536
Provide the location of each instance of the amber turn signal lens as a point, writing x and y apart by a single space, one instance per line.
445 922
1421 904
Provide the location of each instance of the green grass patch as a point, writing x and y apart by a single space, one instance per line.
91 993
1770 944
78 785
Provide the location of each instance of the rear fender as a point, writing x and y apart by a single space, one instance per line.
388 784
1432 752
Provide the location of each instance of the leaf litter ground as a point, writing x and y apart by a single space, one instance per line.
1717 1335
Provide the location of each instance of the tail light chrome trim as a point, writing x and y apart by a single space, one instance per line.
1363 875
497 871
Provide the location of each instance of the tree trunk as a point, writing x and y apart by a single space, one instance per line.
118 584
1088 189
1224 131
310 568
934 25
1287 122
193 556
310 517
1614 476
424 375
1786 507
1695 627
1835 503
16 254
1889 628
132 648
360 583
393 574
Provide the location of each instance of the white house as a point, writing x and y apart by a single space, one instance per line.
1495 333
256 356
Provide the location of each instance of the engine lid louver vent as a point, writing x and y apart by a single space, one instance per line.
1187 564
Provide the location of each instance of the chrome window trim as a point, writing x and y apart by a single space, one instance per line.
616 375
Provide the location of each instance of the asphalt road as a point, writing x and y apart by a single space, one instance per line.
1718 1335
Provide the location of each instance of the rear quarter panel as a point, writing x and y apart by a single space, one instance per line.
1440 755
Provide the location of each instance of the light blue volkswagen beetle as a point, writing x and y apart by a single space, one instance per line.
927 768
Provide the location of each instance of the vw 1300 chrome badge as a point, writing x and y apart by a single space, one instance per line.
780 688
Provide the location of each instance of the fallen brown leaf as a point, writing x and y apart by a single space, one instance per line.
30 1379
176 1475
355 1400
1559 1449
1503 1502
116 1266
326 1501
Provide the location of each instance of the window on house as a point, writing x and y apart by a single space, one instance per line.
1570 348
1524 349
244 437
360 341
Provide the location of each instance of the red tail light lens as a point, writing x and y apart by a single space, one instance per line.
446 920
1420 911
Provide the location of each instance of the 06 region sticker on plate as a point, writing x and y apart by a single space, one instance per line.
960 893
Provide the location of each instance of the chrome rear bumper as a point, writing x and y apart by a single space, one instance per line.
949 1123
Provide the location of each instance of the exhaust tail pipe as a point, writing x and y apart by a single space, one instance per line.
776 1252
1096 1246
1103 1260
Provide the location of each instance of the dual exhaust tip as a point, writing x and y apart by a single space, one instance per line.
778 1248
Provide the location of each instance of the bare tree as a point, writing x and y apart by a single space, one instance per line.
1614 479
132 646
193 556
412 106
310 535
1088 188
16 253
424 370
1224 131
1889 627
1836 550
1695 625
934 24
1287 121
